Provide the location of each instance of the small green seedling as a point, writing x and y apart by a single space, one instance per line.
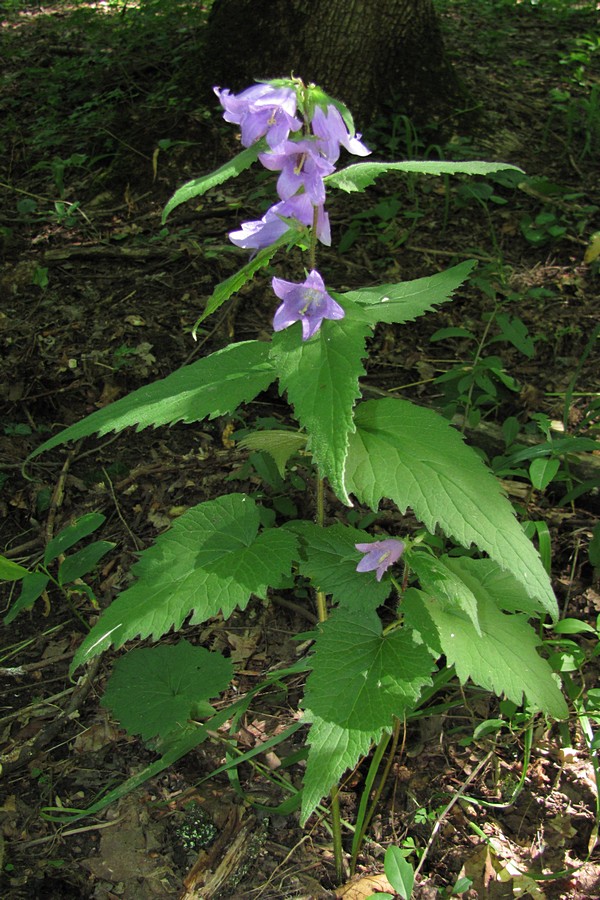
69 569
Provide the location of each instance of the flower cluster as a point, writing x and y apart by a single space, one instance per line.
303 162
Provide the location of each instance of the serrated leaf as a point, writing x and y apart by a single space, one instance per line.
235 282
399 872
321 379
172 582
280 445
406 300
199 186
441 582
486 578
329 558
69 535
362 678
414 457
154 691
11 571
502 659
333 749
360 175
213 386
254 563
33 586
81 563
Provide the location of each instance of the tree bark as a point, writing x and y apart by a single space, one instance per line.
374 55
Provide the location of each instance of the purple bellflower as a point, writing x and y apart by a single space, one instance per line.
379 556
331 130
263 232
302 166
261 110
308 303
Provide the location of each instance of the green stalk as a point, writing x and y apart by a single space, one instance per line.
312 250
365 815
336 819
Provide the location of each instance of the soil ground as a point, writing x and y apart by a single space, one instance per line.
99 124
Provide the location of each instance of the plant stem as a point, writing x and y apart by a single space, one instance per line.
336 819
365 815
312 250
320 519
336 834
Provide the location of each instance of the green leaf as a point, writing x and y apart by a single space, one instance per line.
280 445
329 559
235 282
442 583
406 300
333 749
414 457
199 186
213 386
321 379
11 571
33 586
81 563
360 175
486 578
69 535
574 626
211 560
443 334
542 472
556 446
154 691
503 658
399 872
516 332
362 678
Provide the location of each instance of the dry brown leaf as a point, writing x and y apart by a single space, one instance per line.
364 887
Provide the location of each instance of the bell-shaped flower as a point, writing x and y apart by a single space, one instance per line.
302 166
261 110
263 232
379 556
331 130
308 303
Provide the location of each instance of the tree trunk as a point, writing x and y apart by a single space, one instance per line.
375 55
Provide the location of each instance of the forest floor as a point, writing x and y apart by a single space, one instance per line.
99 124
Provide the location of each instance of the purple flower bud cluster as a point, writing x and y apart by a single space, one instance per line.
303 162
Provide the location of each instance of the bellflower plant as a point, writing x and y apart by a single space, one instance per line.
450 614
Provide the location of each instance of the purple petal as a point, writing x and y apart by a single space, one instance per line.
379 556
331 129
